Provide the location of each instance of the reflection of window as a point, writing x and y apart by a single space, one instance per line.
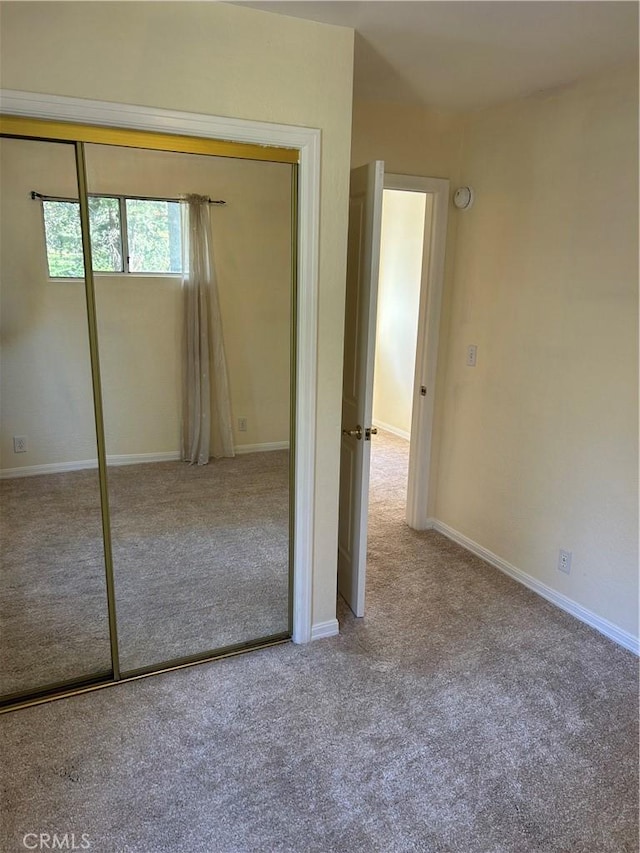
106 238
128 235
153 236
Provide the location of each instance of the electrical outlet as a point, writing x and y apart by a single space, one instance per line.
19 443
472 355
564 561
242 424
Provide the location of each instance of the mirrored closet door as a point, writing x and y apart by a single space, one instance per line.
146 441
200 551
53 603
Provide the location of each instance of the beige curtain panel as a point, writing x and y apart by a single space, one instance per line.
206 405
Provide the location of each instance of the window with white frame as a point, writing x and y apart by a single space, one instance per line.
129 235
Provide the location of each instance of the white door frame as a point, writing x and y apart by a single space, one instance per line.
431 286
307 142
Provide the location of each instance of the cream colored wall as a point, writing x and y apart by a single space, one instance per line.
403 228
411 140
539 446
536 448
230 61
139 317
45 377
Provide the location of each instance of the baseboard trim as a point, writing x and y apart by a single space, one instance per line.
265 447
401 433
622 638
140 458
320 630
85 464
125 459
50 468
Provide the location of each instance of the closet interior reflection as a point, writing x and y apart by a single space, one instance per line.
174 357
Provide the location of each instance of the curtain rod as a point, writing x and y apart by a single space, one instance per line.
217 201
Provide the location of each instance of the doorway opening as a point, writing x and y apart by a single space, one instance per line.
404 247
409 330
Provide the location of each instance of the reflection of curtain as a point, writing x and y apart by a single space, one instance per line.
206 407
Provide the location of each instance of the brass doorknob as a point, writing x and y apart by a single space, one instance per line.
369 432
357 432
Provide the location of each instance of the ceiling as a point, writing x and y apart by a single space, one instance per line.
468 55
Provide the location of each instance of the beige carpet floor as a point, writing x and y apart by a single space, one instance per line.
463 714
200 559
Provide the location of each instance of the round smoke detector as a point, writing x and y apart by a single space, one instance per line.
463 198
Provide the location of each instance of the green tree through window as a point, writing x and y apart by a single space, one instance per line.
152 229
106 239
64 239
153 233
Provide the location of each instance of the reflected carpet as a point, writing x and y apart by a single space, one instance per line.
200 556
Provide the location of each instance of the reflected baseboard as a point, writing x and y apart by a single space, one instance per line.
125 459
84 464
241 449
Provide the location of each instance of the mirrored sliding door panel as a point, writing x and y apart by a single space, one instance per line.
53 603
193 304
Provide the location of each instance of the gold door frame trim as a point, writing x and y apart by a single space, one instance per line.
99 682
96 381
128 138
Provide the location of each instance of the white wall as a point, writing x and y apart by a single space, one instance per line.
403 229
539 445
219 60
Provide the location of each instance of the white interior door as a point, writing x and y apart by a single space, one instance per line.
363 258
